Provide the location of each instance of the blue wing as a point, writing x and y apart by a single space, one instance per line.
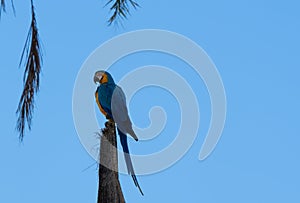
120 112
118 105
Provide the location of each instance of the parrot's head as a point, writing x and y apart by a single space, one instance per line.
103 77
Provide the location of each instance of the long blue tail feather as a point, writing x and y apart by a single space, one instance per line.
124 143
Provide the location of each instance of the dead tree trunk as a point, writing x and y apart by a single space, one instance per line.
109 190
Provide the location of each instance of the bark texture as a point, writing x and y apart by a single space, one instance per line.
109 190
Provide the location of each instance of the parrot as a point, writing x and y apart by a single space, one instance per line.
111 101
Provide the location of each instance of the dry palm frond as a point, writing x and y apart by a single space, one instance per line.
120 9
3 6
32 58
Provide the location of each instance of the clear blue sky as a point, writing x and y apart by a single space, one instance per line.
255 46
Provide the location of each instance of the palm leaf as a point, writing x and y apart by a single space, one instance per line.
120 9
2 7
32 59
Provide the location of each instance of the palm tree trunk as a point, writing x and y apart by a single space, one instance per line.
109 190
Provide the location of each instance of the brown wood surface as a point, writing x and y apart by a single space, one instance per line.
109 190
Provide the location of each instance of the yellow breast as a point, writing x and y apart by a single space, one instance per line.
99 105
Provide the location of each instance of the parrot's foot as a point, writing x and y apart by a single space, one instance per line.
109 118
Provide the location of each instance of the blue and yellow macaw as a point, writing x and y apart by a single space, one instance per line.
112 103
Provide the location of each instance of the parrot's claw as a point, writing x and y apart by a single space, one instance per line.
109 118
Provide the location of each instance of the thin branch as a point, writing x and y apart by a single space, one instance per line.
120 9
32 59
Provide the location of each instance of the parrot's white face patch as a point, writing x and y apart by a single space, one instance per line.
98 76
